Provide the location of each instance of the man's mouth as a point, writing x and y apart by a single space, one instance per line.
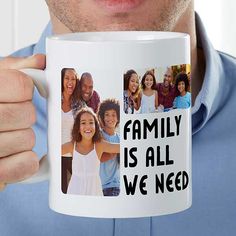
86 95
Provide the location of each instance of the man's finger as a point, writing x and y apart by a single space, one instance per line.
18 167
16 141
15 116
15 86
36 61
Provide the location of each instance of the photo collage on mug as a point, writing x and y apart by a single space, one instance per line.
90 139
157 89
90 117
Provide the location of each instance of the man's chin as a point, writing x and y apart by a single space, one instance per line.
121 26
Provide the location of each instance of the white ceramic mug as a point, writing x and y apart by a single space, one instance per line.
155 146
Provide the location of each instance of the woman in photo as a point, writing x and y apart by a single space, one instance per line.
70 101
148 97
182 101
87 147
131 90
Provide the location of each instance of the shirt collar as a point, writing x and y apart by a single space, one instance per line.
40 47
207 101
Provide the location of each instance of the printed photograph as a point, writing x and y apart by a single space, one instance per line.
157 90
90 140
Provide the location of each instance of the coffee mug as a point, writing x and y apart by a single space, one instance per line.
119 123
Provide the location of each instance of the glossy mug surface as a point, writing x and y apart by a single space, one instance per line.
119 123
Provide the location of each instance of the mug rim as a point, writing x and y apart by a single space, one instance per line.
117 36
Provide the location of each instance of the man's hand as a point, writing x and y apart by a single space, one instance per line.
17 115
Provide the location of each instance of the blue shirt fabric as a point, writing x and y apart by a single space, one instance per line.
182 102
109 170
24 208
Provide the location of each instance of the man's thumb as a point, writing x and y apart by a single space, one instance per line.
37 61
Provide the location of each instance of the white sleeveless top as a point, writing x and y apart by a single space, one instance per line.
85 179
148 103
67 122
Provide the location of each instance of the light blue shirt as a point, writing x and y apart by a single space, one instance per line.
24 208
182 102
109 170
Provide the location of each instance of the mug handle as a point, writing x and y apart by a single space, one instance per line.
39 80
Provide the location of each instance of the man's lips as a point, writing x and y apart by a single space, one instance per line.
119 6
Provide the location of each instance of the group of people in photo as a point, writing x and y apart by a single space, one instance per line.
145 95
90 141
90 127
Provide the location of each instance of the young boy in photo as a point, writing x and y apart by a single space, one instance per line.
109 117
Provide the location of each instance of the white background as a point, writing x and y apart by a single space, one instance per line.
22 21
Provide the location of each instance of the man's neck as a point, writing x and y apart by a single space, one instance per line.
58 27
